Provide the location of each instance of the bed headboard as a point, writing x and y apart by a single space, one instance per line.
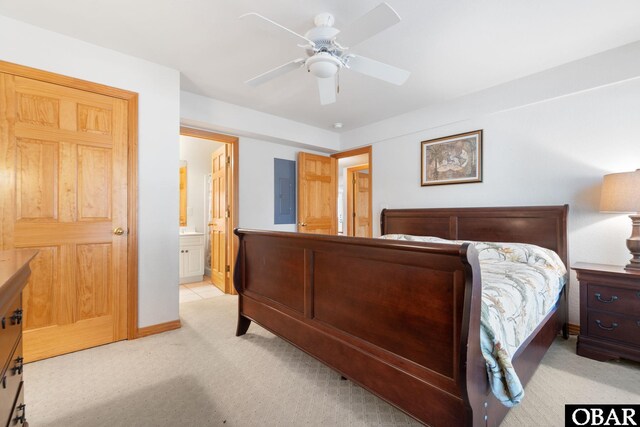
544 226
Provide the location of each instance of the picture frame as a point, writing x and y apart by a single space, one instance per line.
454 159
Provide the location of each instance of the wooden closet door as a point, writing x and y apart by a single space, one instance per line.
63 157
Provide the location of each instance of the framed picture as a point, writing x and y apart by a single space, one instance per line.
454 159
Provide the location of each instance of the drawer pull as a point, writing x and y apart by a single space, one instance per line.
612 299
17 369
606 328
22 417
16 318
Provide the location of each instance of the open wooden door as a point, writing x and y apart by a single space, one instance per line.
63 156
317 194
358 213
218 227
361 219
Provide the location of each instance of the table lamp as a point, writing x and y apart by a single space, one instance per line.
621 194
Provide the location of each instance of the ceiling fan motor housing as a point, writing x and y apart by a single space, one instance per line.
322 38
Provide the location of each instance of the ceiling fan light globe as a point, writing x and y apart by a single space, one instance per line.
323 70
323 65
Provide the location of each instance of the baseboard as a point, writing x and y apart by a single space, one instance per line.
574 329
191 279
159 328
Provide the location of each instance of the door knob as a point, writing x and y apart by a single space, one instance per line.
119 231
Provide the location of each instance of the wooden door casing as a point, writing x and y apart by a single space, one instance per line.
64 157
358 217
317 194
219 217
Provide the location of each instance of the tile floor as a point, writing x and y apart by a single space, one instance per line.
198 291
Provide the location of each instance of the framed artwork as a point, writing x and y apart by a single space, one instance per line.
454 159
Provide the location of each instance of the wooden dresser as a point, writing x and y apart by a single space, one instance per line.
609 312
14 273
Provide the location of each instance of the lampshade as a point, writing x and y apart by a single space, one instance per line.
621 192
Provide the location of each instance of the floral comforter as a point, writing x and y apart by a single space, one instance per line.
521 284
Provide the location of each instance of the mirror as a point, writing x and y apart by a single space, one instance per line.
183 193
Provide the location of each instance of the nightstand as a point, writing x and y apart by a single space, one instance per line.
609 312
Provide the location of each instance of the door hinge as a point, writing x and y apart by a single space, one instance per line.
353 179
227 212
227 268
228 160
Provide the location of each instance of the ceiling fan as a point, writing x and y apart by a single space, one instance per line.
328 51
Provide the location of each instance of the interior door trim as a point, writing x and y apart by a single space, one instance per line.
234 214
350 171
132 193
356 152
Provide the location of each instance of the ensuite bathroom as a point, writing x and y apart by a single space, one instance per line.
197 223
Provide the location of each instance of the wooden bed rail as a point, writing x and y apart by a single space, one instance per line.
401 319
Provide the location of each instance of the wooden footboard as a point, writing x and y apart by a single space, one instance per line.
402 319
394 317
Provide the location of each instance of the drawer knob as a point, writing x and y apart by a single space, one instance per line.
16 318
599 298
606 328
17 368
21 418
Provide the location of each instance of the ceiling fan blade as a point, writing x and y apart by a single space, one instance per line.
276 72
327 89
379 70
368 25
291 32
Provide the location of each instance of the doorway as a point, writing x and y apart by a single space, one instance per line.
324 198
355 192
210 212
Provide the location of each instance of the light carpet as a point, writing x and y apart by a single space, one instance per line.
202 375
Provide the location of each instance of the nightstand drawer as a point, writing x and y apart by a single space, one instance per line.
618 300
614 327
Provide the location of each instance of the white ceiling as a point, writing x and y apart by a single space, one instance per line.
452 47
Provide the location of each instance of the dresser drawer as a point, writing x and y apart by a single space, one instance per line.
10 330
19 415
618 300
9 384
612 326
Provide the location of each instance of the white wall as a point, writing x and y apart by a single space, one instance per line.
549 152
197 153
263 137
257 182
159 96
200 111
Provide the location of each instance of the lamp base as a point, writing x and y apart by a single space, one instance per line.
633 243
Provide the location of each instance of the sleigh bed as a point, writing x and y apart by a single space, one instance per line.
399 318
